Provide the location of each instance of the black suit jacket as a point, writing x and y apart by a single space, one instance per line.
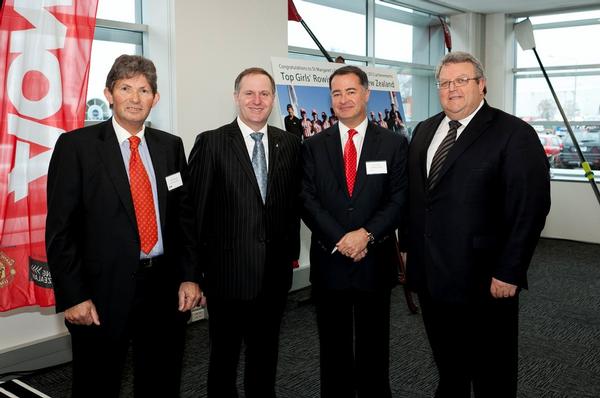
92 240
377 205
292 125
246 247
484 216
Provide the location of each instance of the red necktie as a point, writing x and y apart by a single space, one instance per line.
350 161
143 201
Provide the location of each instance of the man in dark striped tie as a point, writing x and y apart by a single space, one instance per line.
479 194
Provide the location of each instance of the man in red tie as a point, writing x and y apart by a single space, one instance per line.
120 242
353 206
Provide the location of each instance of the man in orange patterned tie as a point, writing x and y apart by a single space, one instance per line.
354 193
120 242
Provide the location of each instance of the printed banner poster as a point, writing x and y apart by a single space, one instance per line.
45 48
303 88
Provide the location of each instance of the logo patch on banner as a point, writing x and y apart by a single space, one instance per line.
7 270
39 273
45 48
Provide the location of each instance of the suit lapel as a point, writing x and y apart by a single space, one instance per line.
368 152
274 141
110 153
425 140
336 157
159 164
474 129
239 148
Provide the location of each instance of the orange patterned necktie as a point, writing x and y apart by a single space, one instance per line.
143 201
350 161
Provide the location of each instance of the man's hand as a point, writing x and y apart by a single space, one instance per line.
83 313
189 296
354 244
360 255
501 289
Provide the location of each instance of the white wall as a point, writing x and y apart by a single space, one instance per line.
29 326
575 213
212 47
468 33
499 60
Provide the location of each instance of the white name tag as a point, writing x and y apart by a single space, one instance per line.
376 167
174 181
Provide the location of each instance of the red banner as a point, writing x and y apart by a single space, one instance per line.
45 48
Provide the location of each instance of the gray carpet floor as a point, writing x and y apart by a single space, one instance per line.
559 338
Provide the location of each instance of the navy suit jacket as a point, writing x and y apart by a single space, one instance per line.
377 204
484 216
92 240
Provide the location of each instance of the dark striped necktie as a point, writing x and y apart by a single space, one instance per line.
440 155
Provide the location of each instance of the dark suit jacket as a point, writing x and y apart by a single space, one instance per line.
292 125
376 204
246 247
92 240
484 216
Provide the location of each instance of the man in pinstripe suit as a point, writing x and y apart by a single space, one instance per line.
245 184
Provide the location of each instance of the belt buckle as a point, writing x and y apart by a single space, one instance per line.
146 263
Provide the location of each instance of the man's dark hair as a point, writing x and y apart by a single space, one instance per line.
128 66
252 71
351 69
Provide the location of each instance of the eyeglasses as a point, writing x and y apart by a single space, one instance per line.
458 82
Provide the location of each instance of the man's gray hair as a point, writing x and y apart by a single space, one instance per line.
458 57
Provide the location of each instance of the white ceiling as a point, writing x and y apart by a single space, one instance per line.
513 6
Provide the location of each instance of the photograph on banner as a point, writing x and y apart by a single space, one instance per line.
305 102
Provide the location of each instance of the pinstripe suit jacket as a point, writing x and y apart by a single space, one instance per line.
245 247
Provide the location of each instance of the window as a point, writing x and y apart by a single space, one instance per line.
563 43
320 18
118 31
376 33
119 10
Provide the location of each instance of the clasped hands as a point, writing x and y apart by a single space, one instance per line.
354 244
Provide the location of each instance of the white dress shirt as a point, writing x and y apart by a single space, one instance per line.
123 139
442 131
358 139
246 131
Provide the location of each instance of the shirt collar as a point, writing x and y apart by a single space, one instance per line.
464 122
123 135
361 129
246 130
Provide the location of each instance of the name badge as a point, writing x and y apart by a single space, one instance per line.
174 181
376 167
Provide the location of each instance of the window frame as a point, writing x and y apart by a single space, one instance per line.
567 70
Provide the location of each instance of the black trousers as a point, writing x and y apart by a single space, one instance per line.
474 345
354 333
257 324
156 333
